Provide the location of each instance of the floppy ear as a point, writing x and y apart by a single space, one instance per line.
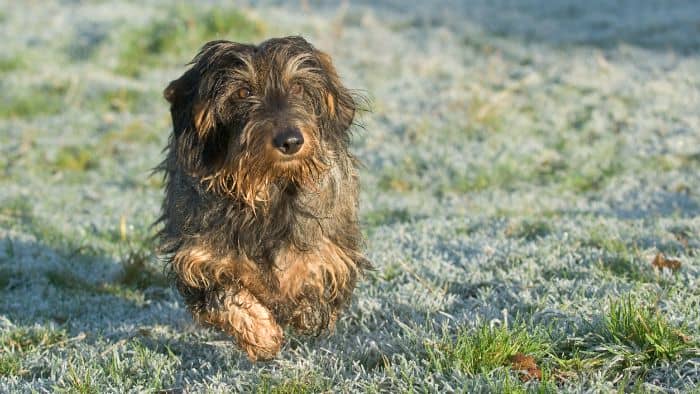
187 109
197 145
339 102
178 89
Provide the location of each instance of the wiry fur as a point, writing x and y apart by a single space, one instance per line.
254 241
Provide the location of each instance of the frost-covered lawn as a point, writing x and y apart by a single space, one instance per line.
525 164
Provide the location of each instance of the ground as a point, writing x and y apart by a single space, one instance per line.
530 197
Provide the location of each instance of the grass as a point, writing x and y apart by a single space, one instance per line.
636 335
10 365
629 340
619 258
138 271
307 383
407 176
529 229
15 209
644 328
512 172
137 274
385 216
485 348
113 143
182 32
76 158
5 275
11 63
135 132
32 101
591 180
499 175
136 366
17 343
123 100
486 114
19 214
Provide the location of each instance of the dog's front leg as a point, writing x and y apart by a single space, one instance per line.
217 292
316 284
240 314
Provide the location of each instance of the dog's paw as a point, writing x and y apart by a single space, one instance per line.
259 334
254 327
266 349
310 319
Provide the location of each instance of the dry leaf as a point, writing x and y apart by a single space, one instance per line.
682 336
661 262
526 367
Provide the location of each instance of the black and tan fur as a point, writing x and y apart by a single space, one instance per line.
258 239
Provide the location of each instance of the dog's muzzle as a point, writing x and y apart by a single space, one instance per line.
288 141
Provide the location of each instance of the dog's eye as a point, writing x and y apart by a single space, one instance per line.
296 89
243 93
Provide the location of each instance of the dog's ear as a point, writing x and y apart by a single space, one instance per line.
181 93
180 88
199 147
339 103
187 108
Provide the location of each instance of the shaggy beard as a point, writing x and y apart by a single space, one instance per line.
251 176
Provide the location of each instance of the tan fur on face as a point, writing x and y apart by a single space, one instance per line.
203 119
330 101
249 176
249 322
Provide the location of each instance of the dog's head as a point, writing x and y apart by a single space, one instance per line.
247 118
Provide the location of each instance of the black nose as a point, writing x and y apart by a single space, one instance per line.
288 141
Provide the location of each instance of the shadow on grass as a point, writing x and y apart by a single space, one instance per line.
604 24
639 204
648 24
108 311
656 203
77 286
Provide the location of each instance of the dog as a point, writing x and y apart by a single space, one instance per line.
259 221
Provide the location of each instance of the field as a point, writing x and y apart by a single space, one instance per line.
530 197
